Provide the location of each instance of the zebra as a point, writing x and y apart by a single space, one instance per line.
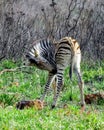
55 57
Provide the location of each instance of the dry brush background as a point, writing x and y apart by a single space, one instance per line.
23 21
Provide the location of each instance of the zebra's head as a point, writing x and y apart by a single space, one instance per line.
41 55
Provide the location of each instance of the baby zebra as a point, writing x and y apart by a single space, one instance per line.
55 57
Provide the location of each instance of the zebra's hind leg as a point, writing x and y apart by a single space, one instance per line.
54 85
81 86
76 63
47 86
59 87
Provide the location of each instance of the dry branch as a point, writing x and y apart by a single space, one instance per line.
12 70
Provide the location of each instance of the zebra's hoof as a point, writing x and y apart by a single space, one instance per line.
53 106
83 104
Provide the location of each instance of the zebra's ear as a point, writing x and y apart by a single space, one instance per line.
36 53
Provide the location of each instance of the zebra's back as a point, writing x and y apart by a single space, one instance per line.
68 50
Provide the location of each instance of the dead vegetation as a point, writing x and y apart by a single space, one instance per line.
23 22
37 104
94 98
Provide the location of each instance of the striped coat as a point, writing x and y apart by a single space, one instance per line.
55 57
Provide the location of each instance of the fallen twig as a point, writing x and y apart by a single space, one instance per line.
12 70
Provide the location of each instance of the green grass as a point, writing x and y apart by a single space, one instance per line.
28 84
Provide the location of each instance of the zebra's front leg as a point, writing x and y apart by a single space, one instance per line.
59 87
47 86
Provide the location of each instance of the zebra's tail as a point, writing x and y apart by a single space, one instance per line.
71 70
72 65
